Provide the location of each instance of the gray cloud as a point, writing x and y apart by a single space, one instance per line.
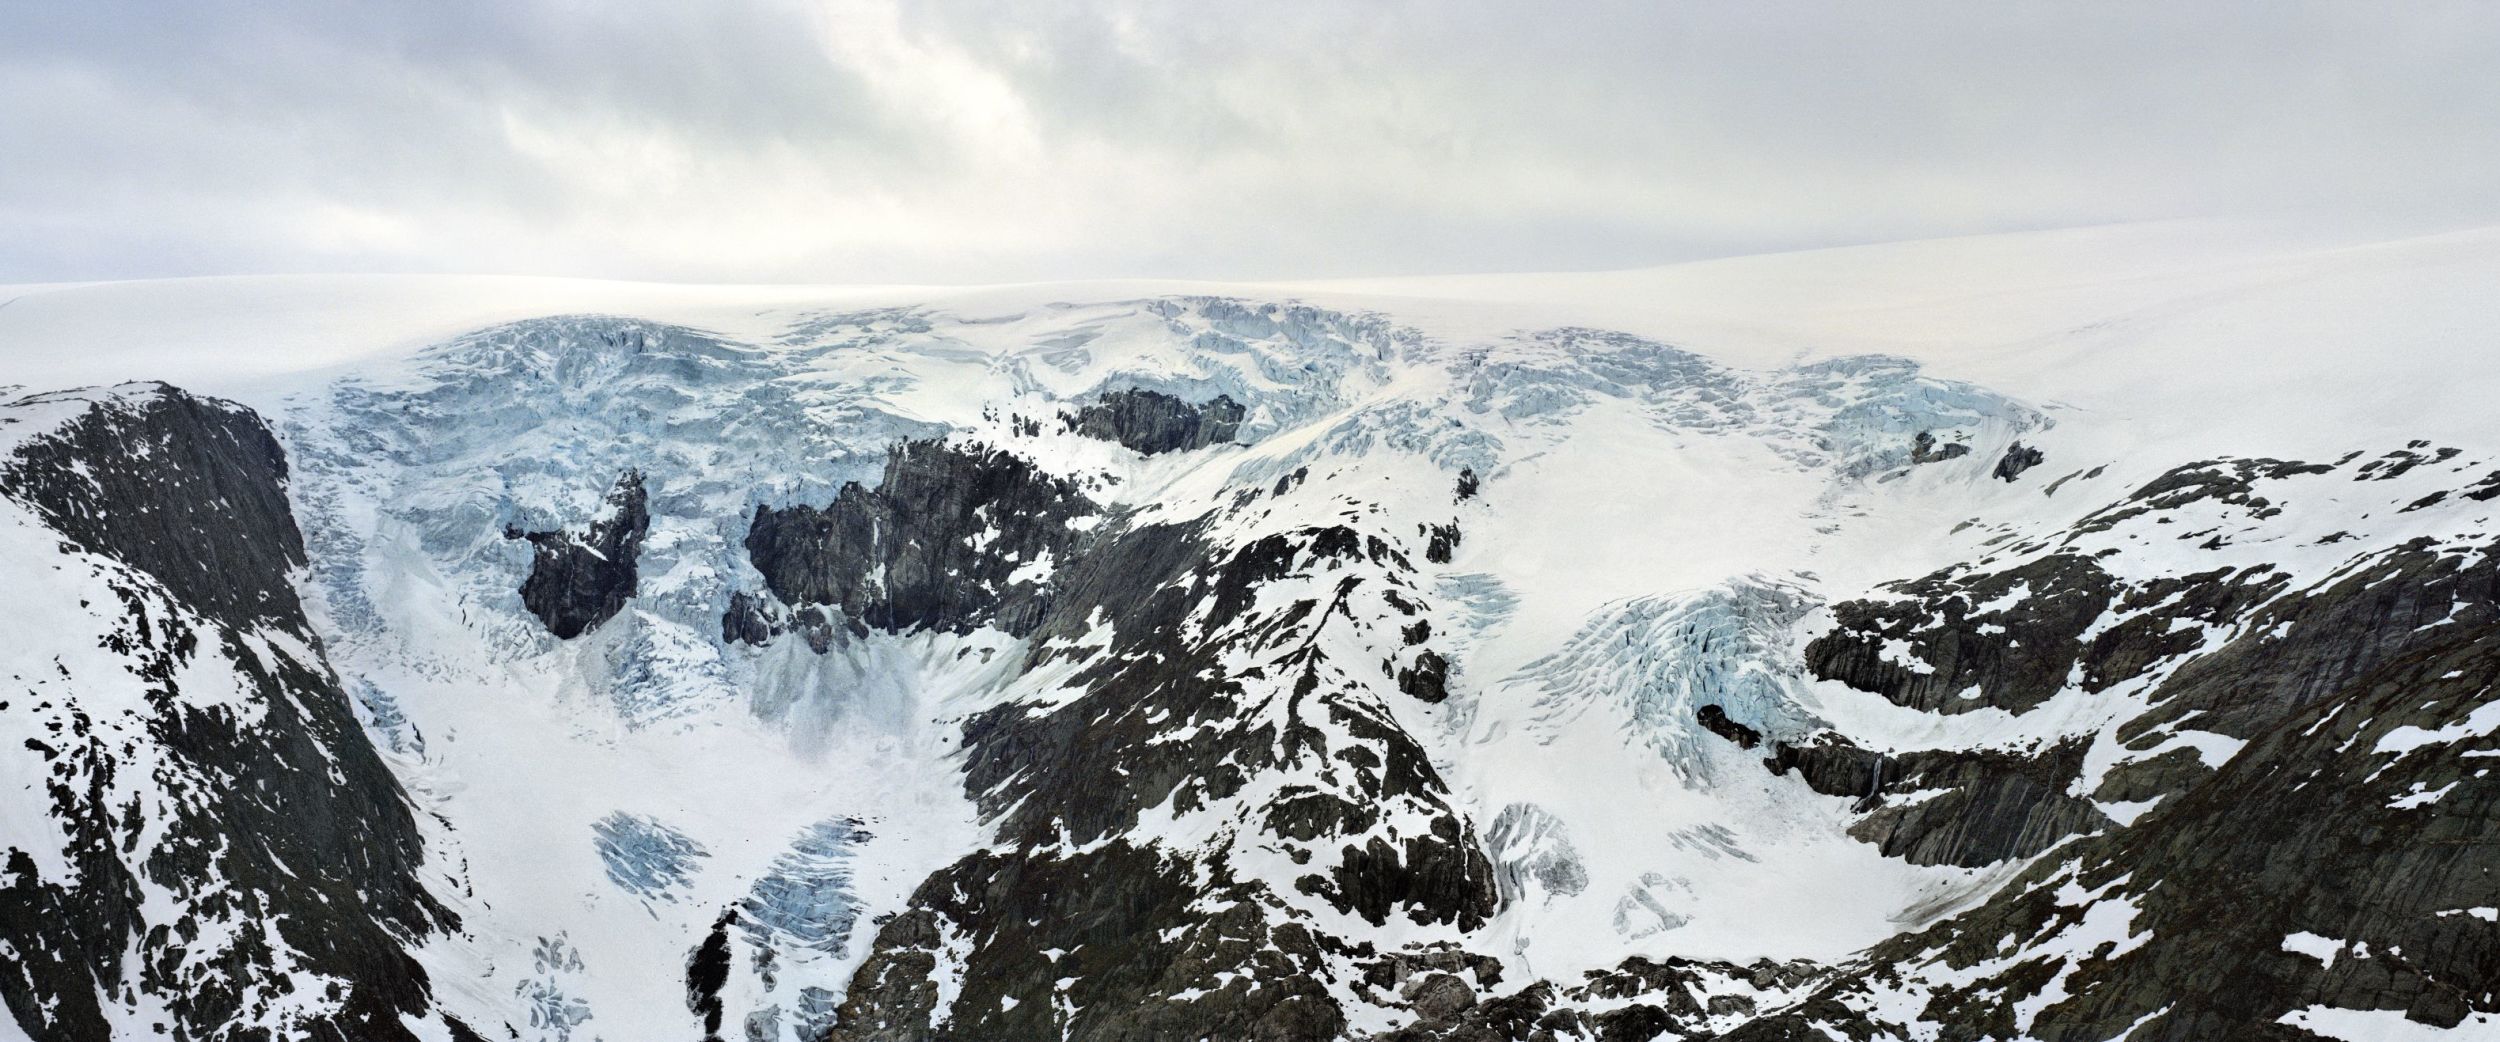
954 140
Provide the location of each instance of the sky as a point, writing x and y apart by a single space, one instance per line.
1025 140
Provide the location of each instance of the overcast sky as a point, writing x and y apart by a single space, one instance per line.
986 140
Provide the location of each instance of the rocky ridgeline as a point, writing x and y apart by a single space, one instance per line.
1248 727
953 538
1152 422
232 858
2355 802
1189 701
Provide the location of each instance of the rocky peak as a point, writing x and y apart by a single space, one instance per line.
580 579
955 536
211 829
1152 422
190 490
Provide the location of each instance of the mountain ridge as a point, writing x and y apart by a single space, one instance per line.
1551 683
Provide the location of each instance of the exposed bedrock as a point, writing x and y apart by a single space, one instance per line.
190 490
2011 639
1152 422
953 538
1428 679
1638 1000
1114 934
2346 855
2366 820
1950 807
1926 449
579 580
2018 459
263 806
1216 701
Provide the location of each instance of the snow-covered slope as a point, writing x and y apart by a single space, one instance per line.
1925 641
202 843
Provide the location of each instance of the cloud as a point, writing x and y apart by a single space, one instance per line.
961 140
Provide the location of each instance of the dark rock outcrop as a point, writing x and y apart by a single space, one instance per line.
2231 483
1638 1000
954 537
2017 460
1152 422
1075 930
578 581
1960 643
1954 807
280 817
1715 720
195 496
1427 679
2360 815
1926 449
706 971
2010 639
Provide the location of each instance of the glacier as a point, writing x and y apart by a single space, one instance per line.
1128 661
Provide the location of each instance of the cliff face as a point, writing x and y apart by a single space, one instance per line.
1153 422
579 580
1205 732
2344 857
207 842
952 538
1198 704
191 492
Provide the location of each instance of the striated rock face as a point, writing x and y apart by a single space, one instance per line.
214 846
953 538
1152 422
578 581
2359 816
